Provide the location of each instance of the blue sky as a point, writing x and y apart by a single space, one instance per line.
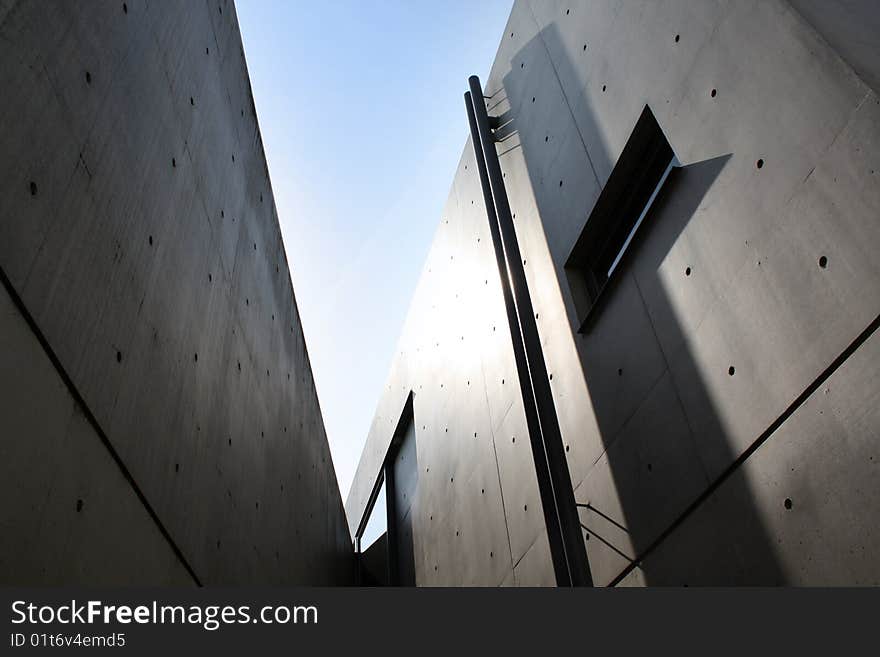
360 106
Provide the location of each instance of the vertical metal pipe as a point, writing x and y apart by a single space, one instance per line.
542 471
551 467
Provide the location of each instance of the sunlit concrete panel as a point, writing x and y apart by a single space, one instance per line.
753 272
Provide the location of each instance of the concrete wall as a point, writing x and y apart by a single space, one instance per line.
139 234
718 414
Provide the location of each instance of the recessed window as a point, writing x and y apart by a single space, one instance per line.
377 524
640 173
384 541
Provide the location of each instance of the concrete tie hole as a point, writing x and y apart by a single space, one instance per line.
33 188
823 262
731 370
79 506
760 163
787 504
88 78
118 356
687 271
677 38
713 93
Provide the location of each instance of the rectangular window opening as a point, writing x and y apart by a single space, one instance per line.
384 542
377 524
640 173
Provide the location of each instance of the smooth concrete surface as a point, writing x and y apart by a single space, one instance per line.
814 488
850 27
68 512
140 232
752 275
401 480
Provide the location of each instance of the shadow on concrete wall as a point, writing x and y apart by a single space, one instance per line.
655 461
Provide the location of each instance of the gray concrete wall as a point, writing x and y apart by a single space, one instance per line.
139 232
69 514
698 472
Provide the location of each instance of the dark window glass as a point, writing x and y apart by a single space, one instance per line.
634 183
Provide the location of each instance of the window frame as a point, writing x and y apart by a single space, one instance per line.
640 174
